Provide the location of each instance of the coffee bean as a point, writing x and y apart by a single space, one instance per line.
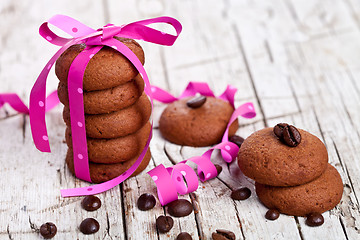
184 236
91 203
237 140
278 129
196 102
146 202
314 219
241 194
272 214
164 223
216 236
48 230
89 226
218 168
180 208
291 136
222 234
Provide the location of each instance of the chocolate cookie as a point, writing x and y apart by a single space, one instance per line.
198 127
103 172
108 100
267 160
114 150
320 195
108 68
116 124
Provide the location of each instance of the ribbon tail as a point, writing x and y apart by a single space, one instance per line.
37 104
229 94
14 101
52 101
37 113
197 87
139 30
161 95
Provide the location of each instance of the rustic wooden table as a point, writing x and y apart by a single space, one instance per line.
296 60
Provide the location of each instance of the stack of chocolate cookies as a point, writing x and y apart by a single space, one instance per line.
291 170
117 110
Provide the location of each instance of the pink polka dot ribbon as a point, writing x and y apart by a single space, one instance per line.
18 105
94 40
170 181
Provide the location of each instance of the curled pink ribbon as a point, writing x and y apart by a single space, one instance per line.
170 181
18 105
94 40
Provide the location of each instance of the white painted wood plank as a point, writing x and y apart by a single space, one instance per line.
333 225
24 52
302 57
34 183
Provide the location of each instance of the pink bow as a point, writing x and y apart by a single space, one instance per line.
169 181
94 40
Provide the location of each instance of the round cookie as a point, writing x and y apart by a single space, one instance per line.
114 150
104 172
108 100
197 127
267 160
107 68
320 195
116 124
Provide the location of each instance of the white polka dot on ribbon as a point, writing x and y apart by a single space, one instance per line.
41 104
155 178
80 156
49 38
80 90
227 147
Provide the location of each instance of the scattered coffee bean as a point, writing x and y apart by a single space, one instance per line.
164 223
272 214
196 102
241 194
91 203
237 140
222 234
89 226
180 208
314 219
218 168
291 136
48 230
184 236
278 129
146 202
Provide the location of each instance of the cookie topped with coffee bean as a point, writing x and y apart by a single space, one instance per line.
282 156
291 172
197 121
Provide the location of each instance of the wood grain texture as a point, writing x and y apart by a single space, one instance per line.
296 60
